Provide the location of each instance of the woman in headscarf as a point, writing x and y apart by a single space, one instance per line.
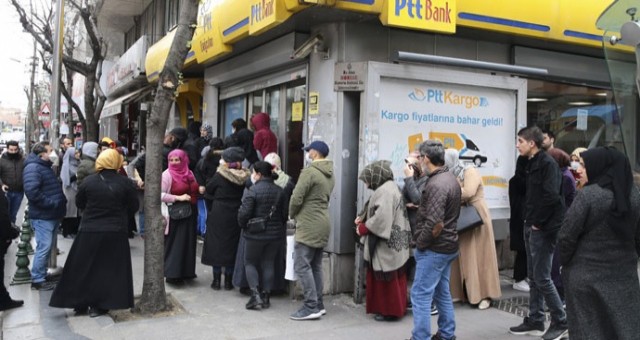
87 164
179 186
68 171
97 273
206 134
576 166
208 165
384 230
475 271
599 246
223 233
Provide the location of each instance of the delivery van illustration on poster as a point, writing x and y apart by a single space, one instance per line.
468 150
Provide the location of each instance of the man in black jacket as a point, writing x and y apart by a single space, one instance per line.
543 214
11 164
6 302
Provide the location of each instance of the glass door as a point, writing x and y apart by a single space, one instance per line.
296 106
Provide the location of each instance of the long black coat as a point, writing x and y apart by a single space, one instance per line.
223 232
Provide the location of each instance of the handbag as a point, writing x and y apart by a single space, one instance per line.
469 219
258 225
179 210
14 231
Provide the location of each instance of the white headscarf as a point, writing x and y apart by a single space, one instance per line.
69 166
452 161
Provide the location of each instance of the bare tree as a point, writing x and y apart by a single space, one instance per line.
38 24
153 292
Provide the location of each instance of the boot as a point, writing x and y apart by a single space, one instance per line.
265 299
216 281
227 282
254 301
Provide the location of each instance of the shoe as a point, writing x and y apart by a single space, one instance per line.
96 312
434 310
438 336
80 310
380 317
11 304
522 286
216 281
528 328
409 304
227 282
305 314
175 282
556 331
255 301
45 285
484 304
266 303
321 308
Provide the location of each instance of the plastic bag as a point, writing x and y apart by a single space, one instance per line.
202 216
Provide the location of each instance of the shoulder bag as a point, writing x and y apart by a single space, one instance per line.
258 225
179 210
469 219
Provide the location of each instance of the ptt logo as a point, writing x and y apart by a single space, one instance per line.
417 95
426 11
448 97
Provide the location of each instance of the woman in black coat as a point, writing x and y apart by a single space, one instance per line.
97 273
208 166
222 235
263 199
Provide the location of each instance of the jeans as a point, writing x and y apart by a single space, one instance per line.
15 200
45 232
308 267
259 256
540 246
431 282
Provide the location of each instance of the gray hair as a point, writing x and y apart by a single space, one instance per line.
434 150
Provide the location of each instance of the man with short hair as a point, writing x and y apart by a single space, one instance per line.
436 241
309 206
46 209
11 165
543 215
548 139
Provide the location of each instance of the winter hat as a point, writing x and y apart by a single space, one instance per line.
180 133
233 154
319 146
274 160
90 149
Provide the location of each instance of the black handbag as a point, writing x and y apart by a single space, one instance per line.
179 210
258 225
469 219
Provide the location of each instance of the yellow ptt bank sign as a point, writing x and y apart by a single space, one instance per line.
427 15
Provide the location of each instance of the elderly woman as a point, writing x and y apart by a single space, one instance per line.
179 186
223 233
70 188
385 232
576 168
97 273
599 248
476 269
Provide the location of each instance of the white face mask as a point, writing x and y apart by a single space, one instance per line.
253 179
575 165
221 162
307 156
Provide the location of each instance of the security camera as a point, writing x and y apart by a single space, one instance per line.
311 45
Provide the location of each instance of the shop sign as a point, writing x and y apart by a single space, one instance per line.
266 14
44 115
425 15
349 77
128 67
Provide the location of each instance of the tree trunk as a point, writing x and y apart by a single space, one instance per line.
153 297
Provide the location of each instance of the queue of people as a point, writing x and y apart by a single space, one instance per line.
567 212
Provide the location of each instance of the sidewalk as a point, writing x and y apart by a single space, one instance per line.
221 314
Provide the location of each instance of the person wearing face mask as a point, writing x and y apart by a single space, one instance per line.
11 164
576 168
46 208
223 233
264 198
309 206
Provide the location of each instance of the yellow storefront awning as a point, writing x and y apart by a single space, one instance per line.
113 107
157 56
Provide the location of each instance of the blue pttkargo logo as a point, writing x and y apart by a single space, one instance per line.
417 95
448 97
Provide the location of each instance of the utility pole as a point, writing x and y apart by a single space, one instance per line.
54 130
31 117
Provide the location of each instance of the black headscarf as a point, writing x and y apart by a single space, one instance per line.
611 170
376 174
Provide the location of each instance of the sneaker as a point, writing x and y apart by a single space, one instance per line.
556 331
484 304
321 308
528 328
434 310
305 313
438 336
522 286
45 285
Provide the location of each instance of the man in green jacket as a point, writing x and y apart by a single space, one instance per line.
309 206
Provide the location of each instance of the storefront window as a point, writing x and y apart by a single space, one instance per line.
234 108
579 116
273 108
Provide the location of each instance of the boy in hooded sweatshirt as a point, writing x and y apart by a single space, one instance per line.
264 140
